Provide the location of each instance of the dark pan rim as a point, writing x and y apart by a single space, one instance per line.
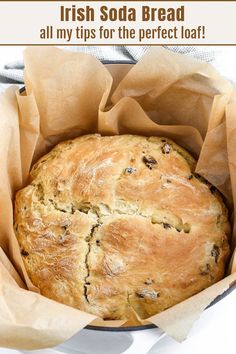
151 325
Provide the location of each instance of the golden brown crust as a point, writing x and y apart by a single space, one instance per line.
113 223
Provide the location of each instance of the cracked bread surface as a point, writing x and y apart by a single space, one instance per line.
113 224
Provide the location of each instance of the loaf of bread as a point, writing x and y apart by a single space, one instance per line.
119 223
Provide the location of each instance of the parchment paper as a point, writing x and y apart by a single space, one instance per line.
70 94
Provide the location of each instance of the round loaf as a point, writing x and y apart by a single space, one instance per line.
113 224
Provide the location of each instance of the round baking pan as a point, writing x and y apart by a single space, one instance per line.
147 326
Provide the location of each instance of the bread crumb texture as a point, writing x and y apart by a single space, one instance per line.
110 224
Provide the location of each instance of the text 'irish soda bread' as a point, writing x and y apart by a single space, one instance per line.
110 224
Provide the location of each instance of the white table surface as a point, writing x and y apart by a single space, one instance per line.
214 332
